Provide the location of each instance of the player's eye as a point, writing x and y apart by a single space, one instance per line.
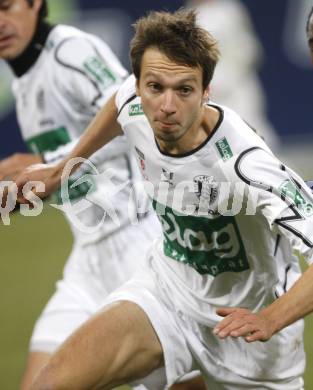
155 87
5 5
185 90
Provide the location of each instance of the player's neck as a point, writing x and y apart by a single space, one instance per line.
26 60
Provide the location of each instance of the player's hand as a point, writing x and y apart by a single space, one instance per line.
243 323
46 176
11 166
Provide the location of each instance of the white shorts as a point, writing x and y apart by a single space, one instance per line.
91 274
188 345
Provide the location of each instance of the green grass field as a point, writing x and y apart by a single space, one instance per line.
33 251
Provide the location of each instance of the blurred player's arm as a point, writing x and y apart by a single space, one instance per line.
102 130
13 165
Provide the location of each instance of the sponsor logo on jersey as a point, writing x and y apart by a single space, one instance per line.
167 176
97 69
289 190
210 246
224 149
135 109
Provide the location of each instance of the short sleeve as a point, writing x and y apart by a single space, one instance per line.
280 195
88 71
126 92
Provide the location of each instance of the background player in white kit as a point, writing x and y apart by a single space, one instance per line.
63 77
229 22
309 32
209 257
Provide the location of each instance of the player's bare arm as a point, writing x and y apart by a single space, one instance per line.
102 130
13 165
290 307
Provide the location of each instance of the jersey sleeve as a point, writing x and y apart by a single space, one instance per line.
88 72
280 195
126 92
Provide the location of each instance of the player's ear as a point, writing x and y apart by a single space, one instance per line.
206 94
137 88
37 5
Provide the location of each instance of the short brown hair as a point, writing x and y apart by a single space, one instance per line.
179 38
43 11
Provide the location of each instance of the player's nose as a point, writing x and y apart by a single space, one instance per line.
2 23
168 102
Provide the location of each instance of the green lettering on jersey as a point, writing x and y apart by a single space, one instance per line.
210 246
95 67
224 149
135 109
49 141
289 190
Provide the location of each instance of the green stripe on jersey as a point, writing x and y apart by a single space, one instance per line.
210 246
48 141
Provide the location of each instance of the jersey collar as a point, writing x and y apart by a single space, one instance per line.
26 60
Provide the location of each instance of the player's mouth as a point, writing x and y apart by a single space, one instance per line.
166 125
6 40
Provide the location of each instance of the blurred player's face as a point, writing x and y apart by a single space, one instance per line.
171 95
17 26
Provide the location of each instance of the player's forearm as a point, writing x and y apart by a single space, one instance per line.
295 304
101 130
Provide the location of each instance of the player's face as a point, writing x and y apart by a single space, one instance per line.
171 95
17 25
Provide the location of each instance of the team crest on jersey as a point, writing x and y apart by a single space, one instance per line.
167 176
207 190
142 162
135 109
289 190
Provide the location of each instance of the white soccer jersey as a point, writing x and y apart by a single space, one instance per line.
56 99
231 214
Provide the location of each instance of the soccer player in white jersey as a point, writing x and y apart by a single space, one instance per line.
63 77
309 32
232 214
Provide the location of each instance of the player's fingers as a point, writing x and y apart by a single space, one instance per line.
235 324
258 335
20 182
4 197
225 311
245 330
223 325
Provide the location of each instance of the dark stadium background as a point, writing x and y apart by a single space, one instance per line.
33 250
288 87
